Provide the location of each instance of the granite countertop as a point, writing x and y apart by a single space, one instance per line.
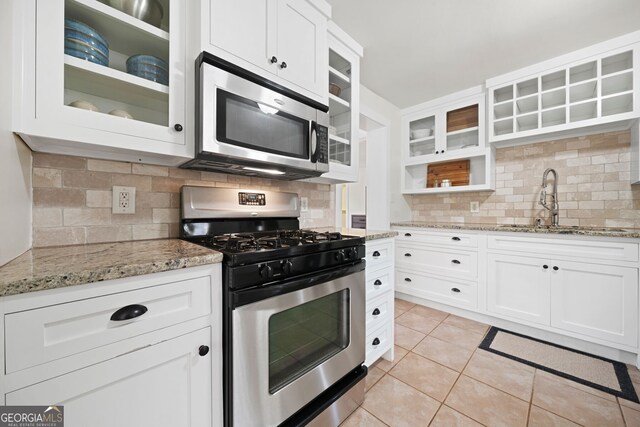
367 234
57 267
571 230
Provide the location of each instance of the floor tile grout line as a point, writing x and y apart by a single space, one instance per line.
374 416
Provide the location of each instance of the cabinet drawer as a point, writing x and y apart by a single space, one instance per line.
379 282
379 311
449 262
379 254
448 291
44 334
379 342
604 251
441 238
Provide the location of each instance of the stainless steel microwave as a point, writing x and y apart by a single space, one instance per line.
249 125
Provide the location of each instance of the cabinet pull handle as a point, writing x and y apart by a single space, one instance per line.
283 65
556 268
273 60
376 341
129 312
407 254
377 282
406 279
455 261
376 254
455 239
203 350
376 312
456 290
178 127
407 234
545 266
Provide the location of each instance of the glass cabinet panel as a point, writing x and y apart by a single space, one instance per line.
462 128
422 140
339 109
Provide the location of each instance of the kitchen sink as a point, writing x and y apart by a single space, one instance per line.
561 229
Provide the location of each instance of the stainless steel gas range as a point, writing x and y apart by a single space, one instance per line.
294 308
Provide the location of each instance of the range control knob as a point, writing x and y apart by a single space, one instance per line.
286 265
265 271
339 255
352 253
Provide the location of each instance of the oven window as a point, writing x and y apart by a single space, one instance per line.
242 122
304 336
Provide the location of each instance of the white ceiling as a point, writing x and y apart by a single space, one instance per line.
418 50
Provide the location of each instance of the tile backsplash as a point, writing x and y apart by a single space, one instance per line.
72 199
593 186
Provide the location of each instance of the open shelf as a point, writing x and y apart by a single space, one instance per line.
336 76
554 98
527 122
584 111
617 104
339 139
583 91
503 94
583 72
555 117
503 127
527 105
617 83
503 110
527 88
416 177
337 105
554 80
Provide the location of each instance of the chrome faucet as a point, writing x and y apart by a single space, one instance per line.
554 207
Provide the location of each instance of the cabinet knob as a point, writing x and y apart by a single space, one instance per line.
376 341
556 268
442 152
283 65
377 282
376 312
545 266
455 239
129 312
376 254
178 127
455 261
407 234
406 279
203 350
437 152
456 290
273 60
407 254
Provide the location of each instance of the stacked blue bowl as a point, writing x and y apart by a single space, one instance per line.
82 41
149 67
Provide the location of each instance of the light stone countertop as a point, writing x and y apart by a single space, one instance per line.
367 234
633 233
61 266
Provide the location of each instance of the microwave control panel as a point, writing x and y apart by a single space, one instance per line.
252 199
323 144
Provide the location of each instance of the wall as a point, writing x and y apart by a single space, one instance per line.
15 157
593 186
72 199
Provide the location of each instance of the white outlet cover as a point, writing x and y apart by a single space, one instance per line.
474 207
124 200
304 204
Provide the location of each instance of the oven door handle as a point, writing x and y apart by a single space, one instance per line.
248 296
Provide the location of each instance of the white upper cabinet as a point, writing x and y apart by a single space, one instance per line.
282 40
344 55
569 94
50 78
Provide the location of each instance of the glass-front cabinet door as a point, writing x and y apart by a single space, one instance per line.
109 80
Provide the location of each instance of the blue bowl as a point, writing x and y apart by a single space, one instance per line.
84 51
149 67
73 25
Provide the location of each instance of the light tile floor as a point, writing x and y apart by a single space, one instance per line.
440 378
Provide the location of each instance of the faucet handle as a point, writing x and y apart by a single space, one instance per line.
543 197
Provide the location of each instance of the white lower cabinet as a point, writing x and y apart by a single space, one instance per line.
447 290
380 297
143 351
518 287
168 384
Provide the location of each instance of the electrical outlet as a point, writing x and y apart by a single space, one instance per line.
124 200
475 207
304 204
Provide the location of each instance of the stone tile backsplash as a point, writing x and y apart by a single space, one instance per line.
594 187
72 199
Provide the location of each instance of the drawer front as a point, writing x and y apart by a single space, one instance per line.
378 282
44 334
379 254
379 311
444 290
581 249
449 262
379 342
451 239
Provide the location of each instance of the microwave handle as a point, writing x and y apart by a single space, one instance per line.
313 141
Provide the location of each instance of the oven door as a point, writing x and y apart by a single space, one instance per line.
288 349
242 120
